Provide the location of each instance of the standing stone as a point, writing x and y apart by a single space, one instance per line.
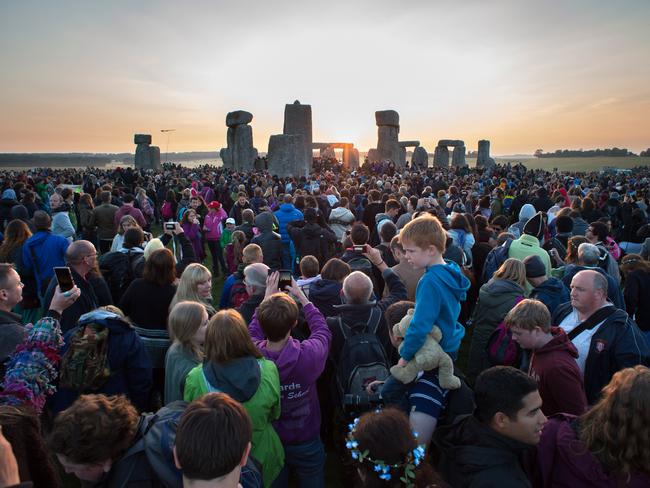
146 156
458 156
441 157
286 154
239 154
420 158
297 121
354 159
388 142
484 159
387 117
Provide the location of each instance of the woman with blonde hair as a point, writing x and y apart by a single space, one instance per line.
605 446
195 285
187 324
495 299
233 365
126 222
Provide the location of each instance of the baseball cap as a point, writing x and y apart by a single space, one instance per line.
230 220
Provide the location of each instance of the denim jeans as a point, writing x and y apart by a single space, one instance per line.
307 461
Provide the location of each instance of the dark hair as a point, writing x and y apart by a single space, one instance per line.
392 205
309 266
133 237
128 198
16 233
460 222
212 436
359 234
94 429
160 268
501 221
387 231
277 315
501 389
335 270
599 230
396 312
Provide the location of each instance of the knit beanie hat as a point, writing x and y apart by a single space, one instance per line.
534 267
9 194
535 226
564 224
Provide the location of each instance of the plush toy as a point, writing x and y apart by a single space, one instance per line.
430 356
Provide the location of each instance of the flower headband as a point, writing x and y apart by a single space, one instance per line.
413 459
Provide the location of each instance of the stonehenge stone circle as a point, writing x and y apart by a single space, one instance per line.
441 154
484 160
146 156
239 153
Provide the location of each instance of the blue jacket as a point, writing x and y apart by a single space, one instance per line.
437 302
49 250
617 344
287 213
127 360
551 293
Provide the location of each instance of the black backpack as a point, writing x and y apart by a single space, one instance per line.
363 358
495 258
118 269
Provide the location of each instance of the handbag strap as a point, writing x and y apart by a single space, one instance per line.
596 318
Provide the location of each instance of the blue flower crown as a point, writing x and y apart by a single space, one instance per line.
383 470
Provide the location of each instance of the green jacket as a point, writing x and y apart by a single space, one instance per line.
226 238
254 383
527 246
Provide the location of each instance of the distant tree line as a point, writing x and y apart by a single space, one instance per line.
645 153
581 153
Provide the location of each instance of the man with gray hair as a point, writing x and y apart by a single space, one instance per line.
588 258
606 338
255 280
360 306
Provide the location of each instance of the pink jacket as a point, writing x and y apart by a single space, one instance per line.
213 224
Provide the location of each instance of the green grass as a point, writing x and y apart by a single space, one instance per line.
574 164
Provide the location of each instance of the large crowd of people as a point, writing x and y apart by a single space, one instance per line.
432 327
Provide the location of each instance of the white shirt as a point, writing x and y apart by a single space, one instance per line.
583 340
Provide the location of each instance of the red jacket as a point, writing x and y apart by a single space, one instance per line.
558 376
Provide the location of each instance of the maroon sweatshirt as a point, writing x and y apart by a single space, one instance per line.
558 376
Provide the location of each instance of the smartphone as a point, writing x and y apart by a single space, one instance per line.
359 248
64 278
284 279
170 225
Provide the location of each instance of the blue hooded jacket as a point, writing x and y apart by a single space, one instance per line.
49 250
287 213
437 302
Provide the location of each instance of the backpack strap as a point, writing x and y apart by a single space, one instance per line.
595 319
374 320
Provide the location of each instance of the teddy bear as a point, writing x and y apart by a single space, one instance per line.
430 356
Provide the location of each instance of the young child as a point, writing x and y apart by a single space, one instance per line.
437 302
553 362
299 365
226 234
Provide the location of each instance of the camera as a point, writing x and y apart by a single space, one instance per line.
170 225
359 248
361 402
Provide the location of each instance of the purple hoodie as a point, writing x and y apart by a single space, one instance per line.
299 364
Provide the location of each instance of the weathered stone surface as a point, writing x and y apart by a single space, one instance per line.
354 159
226 157
230 137
409 143
142 157
387 143
286 155
387 117
244 153
142 139
297 121
458 156
401 160
451 142
441 157
154 158
484 159
238 117
373 155
420 158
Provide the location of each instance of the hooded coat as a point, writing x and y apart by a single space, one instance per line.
474 455
495 299
560 383
268 240
526 213
311 239
551 293
300 364
285 214
326 295
255 384
42 252
340 221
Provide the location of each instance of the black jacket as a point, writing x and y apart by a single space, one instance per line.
12 333
268 240
473 455
311 239
247 309
617 344
94 293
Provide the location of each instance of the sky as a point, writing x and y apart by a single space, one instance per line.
80 76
